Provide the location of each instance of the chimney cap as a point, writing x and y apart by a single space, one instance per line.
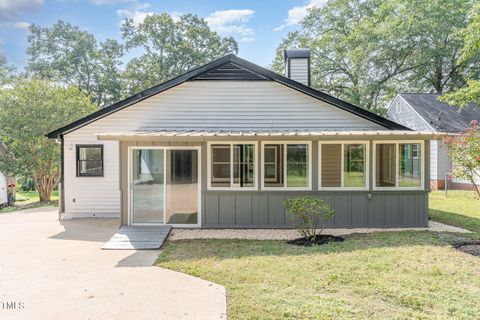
296 53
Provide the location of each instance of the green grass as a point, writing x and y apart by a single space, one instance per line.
401 275
392 275
460 209
29 200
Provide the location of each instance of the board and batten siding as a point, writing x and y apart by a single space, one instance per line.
264 209
198 104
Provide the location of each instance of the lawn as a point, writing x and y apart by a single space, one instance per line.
460 209
391 275
28 200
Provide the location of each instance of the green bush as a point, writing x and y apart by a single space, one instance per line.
308 215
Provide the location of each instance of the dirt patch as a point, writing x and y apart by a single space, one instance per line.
319 240
472 248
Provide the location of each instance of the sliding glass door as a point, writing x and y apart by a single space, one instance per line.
164 186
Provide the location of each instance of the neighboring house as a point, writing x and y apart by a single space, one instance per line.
424 112
223 145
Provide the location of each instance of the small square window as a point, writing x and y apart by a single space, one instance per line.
89 160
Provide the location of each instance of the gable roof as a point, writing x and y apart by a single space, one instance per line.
441 116
229 67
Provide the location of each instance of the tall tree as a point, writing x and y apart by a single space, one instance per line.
170 47
28 110
65 54
471 92
6 71
364 51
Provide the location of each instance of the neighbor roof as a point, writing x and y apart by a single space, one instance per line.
229 67
441 116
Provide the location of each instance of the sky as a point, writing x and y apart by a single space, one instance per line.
257 25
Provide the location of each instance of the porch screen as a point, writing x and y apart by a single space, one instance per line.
343 165
232 165
285 165
409 161
385 165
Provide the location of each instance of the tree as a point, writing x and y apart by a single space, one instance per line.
364 51
29 110
6 71
170 48
66 54
471 92
464 151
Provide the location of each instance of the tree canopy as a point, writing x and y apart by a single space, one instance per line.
63 53
29 110
170 47
364 51
470 93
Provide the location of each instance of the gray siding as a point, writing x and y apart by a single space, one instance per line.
354 209
264 209
400 112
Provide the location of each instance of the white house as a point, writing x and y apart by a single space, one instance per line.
223 145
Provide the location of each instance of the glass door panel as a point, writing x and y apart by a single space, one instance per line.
182 186
148 192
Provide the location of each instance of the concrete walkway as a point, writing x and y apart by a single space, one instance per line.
57 270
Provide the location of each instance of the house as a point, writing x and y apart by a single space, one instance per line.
424 112
223 145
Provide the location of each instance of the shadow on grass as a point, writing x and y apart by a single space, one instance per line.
230 249
455 219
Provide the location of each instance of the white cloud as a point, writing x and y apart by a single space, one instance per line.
19 5
15 25
137 13
232 22
297 14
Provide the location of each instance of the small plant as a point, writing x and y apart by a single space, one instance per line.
308 215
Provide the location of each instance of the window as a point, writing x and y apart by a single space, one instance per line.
232 165
286 165
409 165
385 165
398 165
343 165
89 160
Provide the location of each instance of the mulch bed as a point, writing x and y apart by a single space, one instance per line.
472 247
320 239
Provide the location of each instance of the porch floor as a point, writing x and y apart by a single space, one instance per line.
138 237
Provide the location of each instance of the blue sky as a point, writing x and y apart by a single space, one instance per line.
257 25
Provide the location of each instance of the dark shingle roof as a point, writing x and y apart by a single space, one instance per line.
441 116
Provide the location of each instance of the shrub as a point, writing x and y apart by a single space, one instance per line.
308 214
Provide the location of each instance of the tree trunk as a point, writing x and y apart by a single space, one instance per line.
44 186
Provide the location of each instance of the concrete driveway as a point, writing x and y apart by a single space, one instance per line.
56 270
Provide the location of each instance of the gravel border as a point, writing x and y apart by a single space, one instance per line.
289 234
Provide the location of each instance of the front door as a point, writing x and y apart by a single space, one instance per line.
165 187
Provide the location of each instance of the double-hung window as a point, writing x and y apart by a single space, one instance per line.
399 165
90 160
343 165
286 165
232 165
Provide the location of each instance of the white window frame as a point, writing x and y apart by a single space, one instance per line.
397 167
284 188
342 151
209 165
